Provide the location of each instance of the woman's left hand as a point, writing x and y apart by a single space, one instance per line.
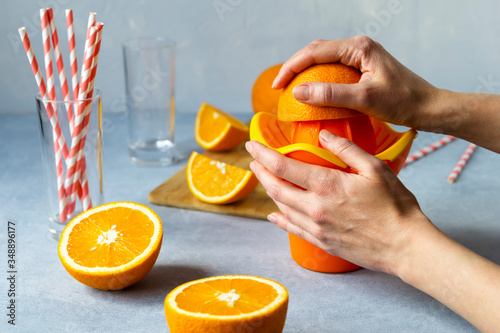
363 217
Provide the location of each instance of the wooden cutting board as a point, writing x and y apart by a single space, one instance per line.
174 192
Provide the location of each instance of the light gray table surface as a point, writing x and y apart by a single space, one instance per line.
198 244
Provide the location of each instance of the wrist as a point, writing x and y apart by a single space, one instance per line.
411 254
436 112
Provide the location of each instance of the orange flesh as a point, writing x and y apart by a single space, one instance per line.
215 178
214 123
110 238
203 297
357 129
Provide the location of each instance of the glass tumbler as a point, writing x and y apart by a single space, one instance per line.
149 86
53 119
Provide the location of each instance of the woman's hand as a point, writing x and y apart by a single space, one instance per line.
363 218
387 90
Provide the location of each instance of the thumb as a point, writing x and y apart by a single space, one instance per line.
350 153
329 94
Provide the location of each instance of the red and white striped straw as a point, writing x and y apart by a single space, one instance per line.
80 163
72 52
80 171
60 68
86 200
429 149
49 71
461 163
90 23
49 68
72 173
59 142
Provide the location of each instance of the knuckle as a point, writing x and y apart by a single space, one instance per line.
300 233
320 235
317 214
278 167
343 144
275 192
322 93
365 44
327 93
317 41
310 47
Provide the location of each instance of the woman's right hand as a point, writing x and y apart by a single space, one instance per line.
387 90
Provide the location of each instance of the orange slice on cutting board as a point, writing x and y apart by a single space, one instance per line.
230 303
216 130
111 246
217 182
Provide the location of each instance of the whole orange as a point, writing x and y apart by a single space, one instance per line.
289 109
265 98
308 120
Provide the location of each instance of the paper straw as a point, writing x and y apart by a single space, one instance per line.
461 163
81 168
59 142
60 68
429 149
86 200
49 71
72 173
72 52
76 95
90 24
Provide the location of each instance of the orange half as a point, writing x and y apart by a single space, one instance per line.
111 246
228 303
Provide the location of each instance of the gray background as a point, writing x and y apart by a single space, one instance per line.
222 45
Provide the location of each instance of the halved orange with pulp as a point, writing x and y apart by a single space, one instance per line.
228 303
111 246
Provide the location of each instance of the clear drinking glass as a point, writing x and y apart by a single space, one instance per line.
149 83
92 158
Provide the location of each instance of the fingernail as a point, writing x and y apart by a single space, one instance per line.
301 92
248 147
326 135
274 82
252 166
272 218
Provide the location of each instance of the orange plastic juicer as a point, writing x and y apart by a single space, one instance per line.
299 140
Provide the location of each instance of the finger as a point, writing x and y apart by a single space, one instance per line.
350 153
288 222
350 52
332 94
296 172
279 189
